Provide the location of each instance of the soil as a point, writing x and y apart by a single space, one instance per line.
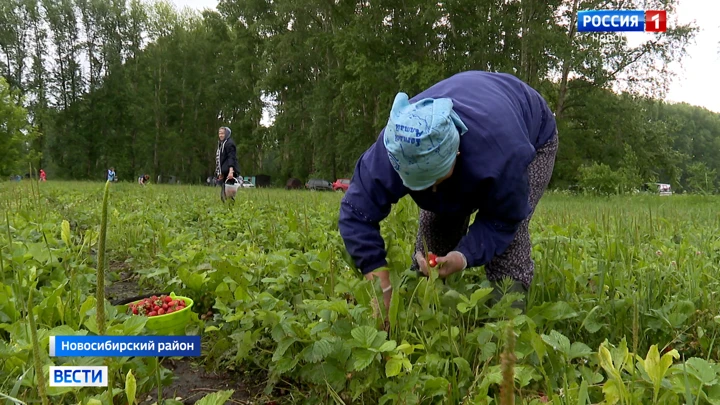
191 381
126 286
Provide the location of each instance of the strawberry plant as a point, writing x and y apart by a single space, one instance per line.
621 310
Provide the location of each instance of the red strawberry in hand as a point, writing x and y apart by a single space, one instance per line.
432 260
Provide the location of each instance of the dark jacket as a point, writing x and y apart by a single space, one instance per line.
228 155
507 122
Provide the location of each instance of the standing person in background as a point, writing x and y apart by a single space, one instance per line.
111 176
43 176
475 142
226 164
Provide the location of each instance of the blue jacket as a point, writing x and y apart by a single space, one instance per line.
507 122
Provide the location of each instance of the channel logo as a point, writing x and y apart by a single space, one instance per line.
622 21
78 376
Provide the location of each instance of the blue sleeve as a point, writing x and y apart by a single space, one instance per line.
374 188
492 233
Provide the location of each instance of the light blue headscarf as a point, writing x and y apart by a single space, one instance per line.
422 139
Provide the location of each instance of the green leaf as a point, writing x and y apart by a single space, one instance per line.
612 391
365 335
342 328
362 359
219 304
324 372
87 306
622 359
320 327
394 307
134 325
463 307
579 350
524 375
554 311
194 281
216 398
393 367
241 294
558 342
703 370
379 339
282 348
591 323
286 364
656 367
91 325
339 306
606 360
387 346
408 349
463 366
65 232
480 295
538 345
583 397
65 330
320 350
437 386
278 332
407 365
130 387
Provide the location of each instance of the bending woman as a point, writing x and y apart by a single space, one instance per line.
475 142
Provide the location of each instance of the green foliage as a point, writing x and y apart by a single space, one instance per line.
623 286
600 179
700 179
216 398
13 129
47 269
157 82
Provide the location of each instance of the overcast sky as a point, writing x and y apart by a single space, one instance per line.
698 80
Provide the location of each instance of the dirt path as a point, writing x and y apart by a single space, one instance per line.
192 382
126 286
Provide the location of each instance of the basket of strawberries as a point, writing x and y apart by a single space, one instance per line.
167 314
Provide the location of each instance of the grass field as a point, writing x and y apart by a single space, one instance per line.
623 308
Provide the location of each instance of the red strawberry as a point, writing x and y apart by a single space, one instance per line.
152 313
167 299
432 260
161 311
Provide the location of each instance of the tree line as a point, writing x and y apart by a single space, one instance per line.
143 87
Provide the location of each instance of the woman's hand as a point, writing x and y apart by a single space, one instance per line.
384 276
230 174
453 262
